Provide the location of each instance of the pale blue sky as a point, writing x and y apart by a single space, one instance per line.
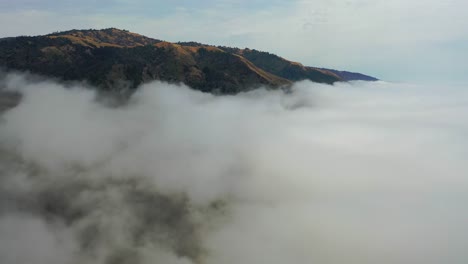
412 40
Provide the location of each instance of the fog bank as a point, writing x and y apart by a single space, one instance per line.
362 172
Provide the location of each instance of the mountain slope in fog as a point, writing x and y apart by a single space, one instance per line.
113 58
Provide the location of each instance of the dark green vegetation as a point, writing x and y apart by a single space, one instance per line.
114 59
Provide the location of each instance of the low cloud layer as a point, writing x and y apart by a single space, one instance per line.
352 173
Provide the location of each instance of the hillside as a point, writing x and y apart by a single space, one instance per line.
290 70
110 37
115 59
352 76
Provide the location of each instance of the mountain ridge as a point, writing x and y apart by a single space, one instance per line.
113 59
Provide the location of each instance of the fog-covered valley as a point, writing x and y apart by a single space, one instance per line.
360 172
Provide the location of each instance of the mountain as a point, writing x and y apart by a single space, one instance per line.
114 59
290 70
352 76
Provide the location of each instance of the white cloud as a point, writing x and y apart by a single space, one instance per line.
356 173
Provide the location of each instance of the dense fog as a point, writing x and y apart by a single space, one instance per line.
354 173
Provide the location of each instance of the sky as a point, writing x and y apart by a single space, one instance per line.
421 41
